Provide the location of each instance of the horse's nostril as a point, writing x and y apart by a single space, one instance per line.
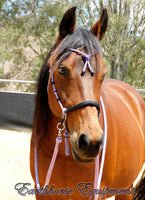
84 142
99 143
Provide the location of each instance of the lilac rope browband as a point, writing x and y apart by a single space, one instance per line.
87 61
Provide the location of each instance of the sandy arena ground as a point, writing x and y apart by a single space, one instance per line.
14 164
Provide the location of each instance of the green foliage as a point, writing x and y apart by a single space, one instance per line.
1 70
124 42
29 28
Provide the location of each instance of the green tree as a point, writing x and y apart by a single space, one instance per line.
124 43
33 25
28 25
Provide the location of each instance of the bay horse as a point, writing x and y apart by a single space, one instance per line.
76 65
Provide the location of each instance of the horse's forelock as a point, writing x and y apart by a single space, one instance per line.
80 38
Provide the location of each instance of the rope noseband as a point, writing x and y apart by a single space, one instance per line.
62 126
84 104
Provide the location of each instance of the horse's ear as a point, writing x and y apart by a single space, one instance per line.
68 23
100 27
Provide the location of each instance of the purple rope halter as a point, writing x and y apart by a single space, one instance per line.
61 126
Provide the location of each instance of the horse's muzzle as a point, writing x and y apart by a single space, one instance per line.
86 151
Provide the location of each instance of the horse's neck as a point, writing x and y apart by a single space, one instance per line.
52 132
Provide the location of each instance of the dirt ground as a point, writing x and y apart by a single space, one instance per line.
14 164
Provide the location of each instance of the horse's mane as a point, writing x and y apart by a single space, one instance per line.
80 38
42 110
140 189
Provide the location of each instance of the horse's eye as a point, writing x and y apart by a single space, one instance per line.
64 71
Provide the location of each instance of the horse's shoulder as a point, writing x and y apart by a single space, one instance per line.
119 88
116 84
118 94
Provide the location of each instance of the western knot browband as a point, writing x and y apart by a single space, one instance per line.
87 61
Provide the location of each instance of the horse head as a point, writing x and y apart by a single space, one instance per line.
78 70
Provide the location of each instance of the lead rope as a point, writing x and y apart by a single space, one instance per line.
36 167
58 141
97 180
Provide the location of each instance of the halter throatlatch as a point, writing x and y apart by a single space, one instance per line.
62 127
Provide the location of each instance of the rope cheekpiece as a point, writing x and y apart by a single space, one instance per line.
58 99
61 126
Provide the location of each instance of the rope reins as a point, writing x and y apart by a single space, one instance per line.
62 127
